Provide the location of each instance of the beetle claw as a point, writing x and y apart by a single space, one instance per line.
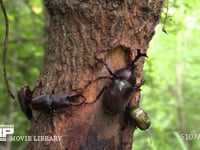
137 86
76 103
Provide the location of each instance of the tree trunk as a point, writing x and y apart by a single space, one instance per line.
80 30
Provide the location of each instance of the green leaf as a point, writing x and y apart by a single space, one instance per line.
180 140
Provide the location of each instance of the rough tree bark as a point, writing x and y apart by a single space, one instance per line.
111 29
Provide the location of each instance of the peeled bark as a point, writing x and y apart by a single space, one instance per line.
111 30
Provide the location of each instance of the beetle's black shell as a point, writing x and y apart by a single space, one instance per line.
24 98
117 96
42 103
119 92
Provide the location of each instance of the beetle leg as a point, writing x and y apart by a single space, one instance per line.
139 54
137 86
74 103
103 77
109 70
37 118
98 96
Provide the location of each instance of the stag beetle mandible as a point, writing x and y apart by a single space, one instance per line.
45 102
117 94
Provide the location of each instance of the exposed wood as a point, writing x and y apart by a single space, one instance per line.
111 30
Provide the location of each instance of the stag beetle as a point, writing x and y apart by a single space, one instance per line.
140 117
45 102
118 93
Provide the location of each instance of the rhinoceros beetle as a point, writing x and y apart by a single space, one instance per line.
117 94
140 117
45 102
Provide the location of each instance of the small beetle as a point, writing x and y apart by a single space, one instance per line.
118 93
140 117
45 102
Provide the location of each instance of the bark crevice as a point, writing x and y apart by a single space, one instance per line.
112 30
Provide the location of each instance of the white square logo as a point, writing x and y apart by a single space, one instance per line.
6 130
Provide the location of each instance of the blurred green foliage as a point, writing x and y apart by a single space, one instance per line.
24 58
168 54
173 66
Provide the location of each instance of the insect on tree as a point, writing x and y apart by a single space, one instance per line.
45 102
117 95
